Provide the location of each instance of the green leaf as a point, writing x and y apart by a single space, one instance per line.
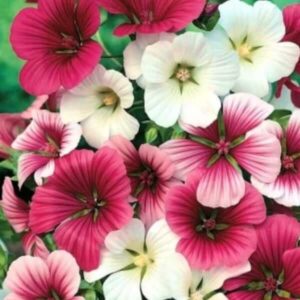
90 295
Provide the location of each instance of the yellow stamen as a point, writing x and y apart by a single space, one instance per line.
110 99
244 51
142 260
196 296
183 74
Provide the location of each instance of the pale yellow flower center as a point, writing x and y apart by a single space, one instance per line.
196 296
142 260
183 74
244 51
110 99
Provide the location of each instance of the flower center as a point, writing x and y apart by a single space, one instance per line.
109 97
142 260
270 284
147 178
223 147
244 51
209 224
288 163
183 74
196 296
68 44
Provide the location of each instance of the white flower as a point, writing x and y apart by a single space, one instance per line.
138 263
184 79
99 103
197 284
254 33
134 52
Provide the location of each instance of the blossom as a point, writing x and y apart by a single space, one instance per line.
44 140
138 261
219 151
16 212
154 16
151 173
55 40
11 126
184 79
99 103
134 52
285 188
273 273
85 199
254 33
221 237
57 277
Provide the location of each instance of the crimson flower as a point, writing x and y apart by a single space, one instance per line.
55 40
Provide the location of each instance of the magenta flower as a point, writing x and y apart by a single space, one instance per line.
285 188
57 277
11 126
16 212
220 150
44 140
151 175
274 274
55 40
214 237
85 199
154 16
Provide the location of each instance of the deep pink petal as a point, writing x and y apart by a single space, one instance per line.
246 295
293 134
15 209
220 185
243 112
64 274
260 155
187 156
34 245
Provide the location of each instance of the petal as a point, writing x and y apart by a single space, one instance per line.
28 277
186 155
220 185
44 172
219 296
292 133
243 112
246 295
200 107
70 138
163 102
252 153
64 273
131 237
34 245
123 285
15 209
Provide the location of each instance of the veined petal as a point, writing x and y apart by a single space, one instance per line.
34 245
44 172
70 138
293 133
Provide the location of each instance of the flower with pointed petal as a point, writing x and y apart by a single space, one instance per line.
85 199
285 188
220 150
154 16
56 277
274 273
44 140
184 79
99 103
55 40
214 237
151 174
134 52
254 33
138 261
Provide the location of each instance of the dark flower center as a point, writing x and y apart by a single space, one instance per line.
50 148
270 284
209 224
223 147
288 163
147 178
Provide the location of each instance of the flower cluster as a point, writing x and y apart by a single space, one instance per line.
171 176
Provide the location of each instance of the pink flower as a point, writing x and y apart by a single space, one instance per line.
275 274
214 237
220 150
11 126
55 40
151 175
83 201
57 277
16 212
154 16
44 140
285 188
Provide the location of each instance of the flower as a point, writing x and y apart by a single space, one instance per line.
285 188
220 150
16 212
57 277
184 78
154 16
99 103
254 33
137 263
11 126
44 140
85 199
134 52
55 40
273 273
211 237
151 173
